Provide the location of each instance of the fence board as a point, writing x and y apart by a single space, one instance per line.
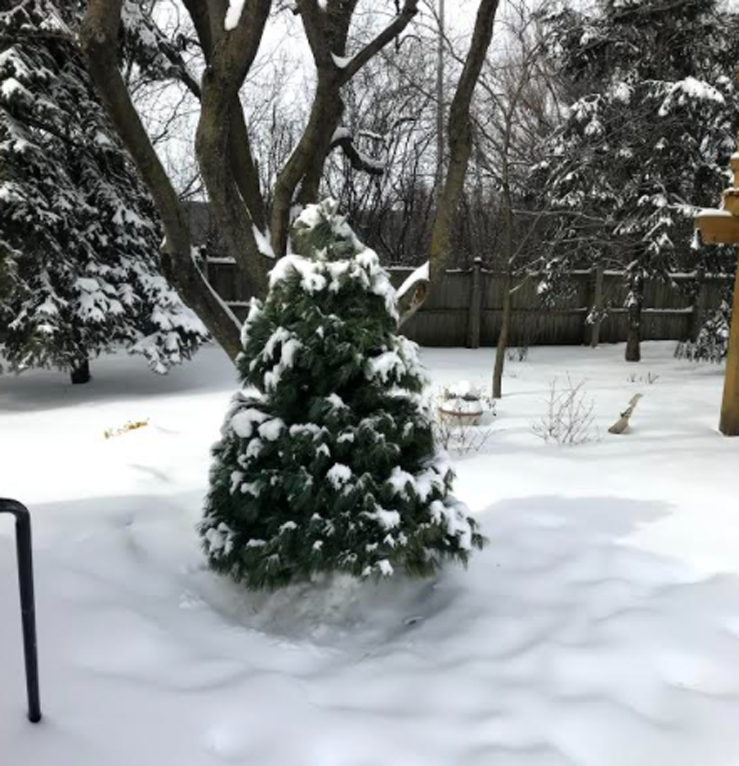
445 319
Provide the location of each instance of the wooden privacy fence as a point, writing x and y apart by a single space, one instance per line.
465 307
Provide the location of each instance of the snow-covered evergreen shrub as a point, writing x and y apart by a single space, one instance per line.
8 277
712 343
327 461
77 229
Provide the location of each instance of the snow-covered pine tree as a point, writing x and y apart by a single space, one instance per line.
327 461
8 281
712 341
77 231
646 142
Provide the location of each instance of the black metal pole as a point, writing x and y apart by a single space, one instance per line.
28 610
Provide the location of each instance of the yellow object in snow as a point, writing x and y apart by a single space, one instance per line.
132 425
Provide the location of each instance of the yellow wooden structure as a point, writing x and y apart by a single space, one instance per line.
721 227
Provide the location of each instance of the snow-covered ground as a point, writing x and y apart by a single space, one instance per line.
600 626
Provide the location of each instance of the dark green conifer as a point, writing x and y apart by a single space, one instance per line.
327 461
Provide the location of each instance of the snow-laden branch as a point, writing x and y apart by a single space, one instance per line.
421 274
344 139
413 292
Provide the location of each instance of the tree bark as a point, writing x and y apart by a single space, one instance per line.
311 149
327 32
231 58
99 41
460 150
80 373
633 338
244 169
460 138
331 110
505 322
502 347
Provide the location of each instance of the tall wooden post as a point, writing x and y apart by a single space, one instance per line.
730 406
722 227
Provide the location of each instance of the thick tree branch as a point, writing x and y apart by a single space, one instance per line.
460 136
233 53
246 175
460 150
327 32
307 159
395 28
356 158
99 41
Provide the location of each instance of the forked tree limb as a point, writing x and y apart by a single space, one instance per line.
231 57
327 32
245 173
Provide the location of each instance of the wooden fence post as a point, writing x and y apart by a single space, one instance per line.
475 307
596 306
699 302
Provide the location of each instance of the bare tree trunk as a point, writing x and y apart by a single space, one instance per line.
460 150
312 147
245 173
633 338
80 373
502 347
729 424
222 144
440 138
332 110
460 138
232 56
99 41
505 323
327 33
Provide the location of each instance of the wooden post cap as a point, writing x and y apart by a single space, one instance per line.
718 227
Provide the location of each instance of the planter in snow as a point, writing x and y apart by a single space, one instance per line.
461 405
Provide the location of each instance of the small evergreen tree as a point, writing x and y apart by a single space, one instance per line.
327 461
646 143
79 268
712 341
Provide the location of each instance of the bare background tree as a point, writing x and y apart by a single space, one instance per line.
249 229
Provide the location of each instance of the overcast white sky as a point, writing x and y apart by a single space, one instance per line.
284 44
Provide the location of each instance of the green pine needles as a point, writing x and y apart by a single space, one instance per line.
327 461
